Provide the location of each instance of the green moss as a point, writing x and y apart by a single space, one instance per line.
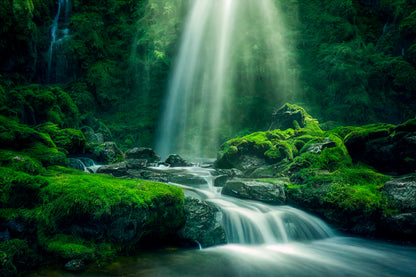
20 162
69 140
15 254
19 190
69 247
47 155
17 136
36 104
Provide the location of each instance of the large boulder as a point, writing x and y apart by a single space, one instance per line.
107 152
388 148
293 116
174 160
271 192
142 153
203 223
401 192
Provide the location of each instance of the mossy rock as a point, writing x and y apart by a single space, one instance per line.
20 162
349 198
294 117
388 148
71 141
67 247
16 255
102 208
36 104
19 190
18 136
46 155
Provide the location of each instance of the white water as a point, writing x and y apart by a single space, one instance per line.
58 36
286 242
230 49
250 222
85 164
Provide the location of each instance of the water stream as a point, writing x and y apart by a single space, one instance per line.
264 240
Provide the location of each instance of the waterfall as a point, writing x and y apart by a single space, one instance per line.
57 63
250 222
230 50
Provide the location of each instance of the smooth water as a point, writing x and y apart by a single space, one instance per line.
230 51
264 240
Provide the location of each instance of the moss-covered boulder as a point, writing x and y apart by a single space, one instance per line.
19 190
68 140
104 209
68 215
388 148
349 198
294 117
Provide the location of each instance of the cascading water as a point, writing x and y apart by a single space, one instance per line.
231 50
265 240
57 63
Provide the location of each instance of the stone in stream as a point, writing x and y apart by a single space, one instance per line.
142 153
202 223
174 160
271 192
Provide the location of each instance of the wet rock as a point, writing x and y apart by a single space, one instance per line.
402 192
403 224
142 153
219 181
75 265
202 223
136 163
174 160
117 170
271 192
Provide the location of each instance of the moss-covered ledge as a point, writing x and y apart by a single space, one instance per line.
70 215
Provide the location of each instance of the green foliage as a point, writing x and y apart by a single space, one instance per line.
19 190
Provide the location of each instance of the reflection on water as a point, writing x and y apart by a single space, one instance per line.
338 256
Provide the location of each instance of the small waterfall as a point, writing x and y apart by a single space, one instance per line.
57 62
256 223
232 51
84 164
251 222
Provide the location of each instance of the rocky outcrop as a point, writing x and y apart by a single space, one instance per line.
292 116
142 153
174 160
203 223
107 152
389 149
402 194
271 191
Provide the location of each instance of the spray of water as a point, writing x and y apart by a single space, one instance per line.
230 51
